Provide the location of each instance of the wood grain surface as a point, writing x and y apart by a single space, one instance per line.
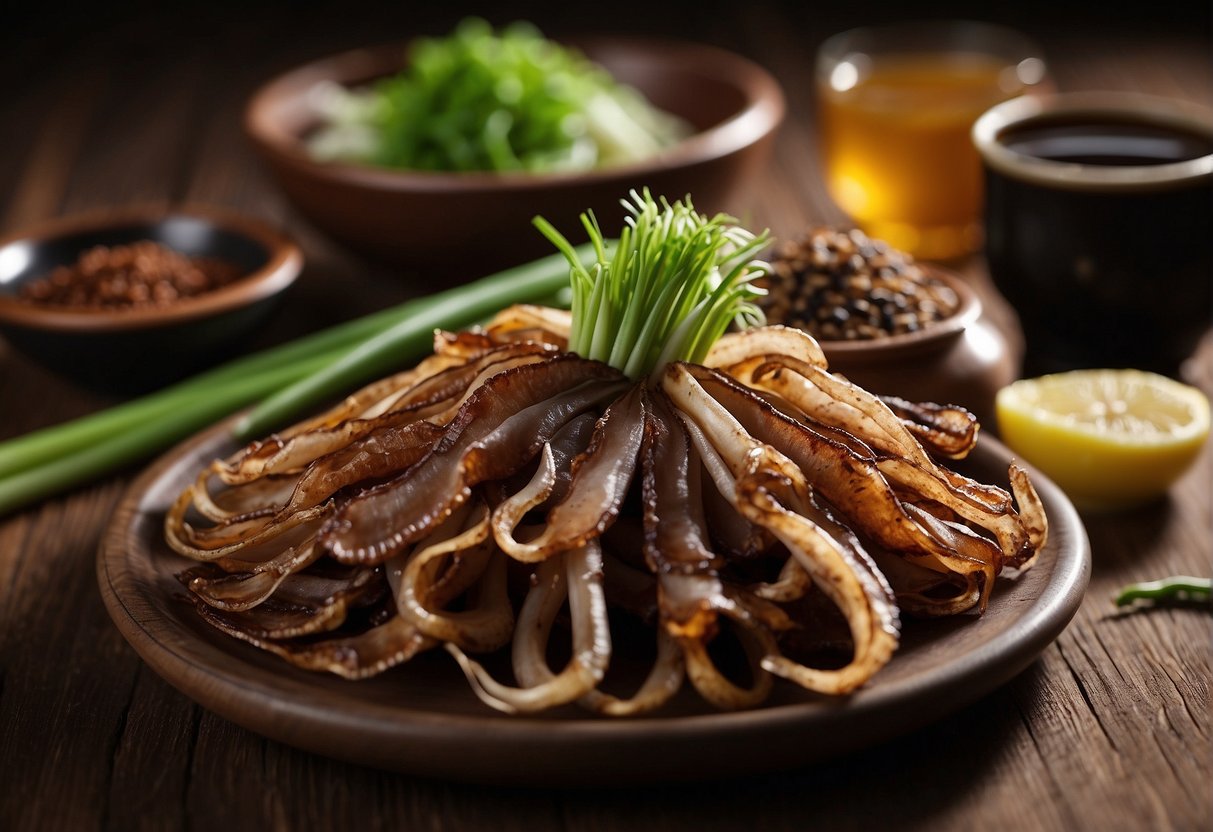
1108 730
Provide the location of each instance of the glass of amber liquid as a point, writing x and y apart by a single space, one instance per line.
895 107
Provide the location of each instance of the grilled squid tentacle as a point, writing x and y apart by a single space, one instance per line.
456 558
601 477
577 576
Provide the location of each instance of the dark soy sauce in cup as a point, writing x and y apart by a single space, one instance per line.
1101 236
1107 142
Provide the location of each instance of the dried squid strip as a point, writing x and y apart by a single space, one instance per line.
826 550
430 394
852 484
503 426
251 461
246 589
909 466
360 404
526 321
227 503
1014 543
253 541
633 591
577 576
737 347
758 643
304 604
568 443
422 591
659 686
601 477
358 656
1031 513
691 597
944 429
906 447
675 530
382 453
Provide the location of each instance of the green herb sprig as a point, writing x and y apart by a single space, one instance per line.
667 291
1177 589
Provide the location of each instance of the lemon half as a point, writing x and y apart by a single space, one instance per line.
1109 438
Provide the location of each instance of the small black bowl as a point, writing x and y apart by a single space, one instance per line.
132 350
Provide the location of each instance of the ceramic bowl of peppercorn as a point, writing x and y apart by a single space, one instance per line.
900 328
130 301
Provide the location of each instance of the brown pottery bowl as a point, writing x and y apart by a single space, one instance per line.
130 350
961 360
463 224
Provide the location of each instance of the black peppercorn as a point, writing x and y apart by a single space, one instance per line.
841 285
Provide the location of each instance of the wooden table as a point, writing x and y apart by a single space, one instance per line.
1109 730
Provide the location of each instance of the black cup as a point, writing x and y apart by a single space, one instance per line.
1099 226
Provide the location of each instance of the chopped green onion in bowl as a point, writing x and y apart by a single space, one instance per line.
480 100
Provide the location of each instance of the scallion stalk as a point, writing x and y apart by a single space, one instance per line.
195 410
36 448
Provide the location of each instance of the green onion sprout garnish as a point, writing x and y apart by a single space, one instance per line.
667 291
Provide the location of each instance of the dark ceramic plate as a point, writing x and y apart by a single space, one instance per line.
422 718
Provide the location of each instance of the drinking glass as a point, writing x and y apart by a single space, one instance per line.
895 106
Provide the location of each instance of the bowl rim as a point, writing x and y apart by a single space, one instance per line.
933 336
987 132
281 269
763 112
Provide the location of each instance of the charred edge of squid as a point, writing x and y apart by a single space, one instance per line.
839 567
901 444
737 347
1032 513
304 605
351 657
244 590
844 572
947 430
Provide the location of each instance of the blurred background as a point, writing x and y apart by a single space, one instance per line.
107 104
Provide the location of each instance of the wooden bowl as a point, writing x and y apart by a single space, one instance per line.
128 350
464 224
